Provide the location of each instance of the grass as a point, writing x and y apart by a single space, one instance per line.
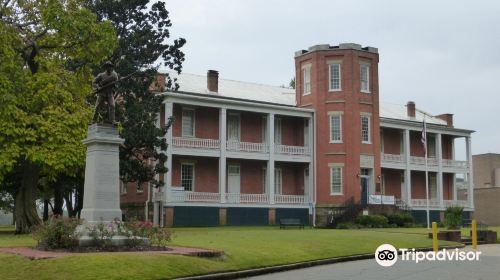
245 247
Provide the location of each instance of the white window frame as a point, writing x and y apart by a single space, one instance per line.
238 117
306 79
330 78
368 117
193 175
193 122
277 130
330 116
362 66
341 174
278 178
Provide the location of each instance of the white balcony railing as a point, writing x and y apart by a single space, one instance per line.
292 150
390 158
290 199
196 143
188 196
158 196
423 203
460 203
247 147
454 163
257 198
421 161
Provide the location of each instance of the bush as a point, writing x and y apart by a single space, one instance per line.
157 236
57 233
347 225
453 217
372 221
401 219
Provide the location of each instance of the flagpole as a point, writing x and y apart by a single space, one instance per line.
426 177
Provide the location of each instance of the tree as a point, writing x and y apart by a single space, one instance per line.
143 35
292 83
46 52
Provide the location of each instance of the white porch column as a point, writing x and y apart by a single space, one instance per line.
470 177
439 156
455 197
310 192
222 158
407 192
169 111
270 162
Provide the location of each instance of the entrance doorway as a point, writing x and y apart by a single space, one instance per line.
365 176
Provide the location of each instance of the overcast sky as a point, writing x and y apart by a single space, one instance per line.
444 55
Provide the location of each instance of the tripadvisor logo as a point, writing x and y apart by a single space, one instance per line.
387 255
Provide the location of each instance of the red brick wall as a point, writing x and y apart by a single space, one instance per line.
447 146
133 195
292 131
418 185
292 178
206 173
251 127
206 122
352 102
447 186
392 141
392 182
250 175
416 146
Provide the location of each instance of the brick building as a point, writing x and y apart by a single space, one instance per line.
487 188
250 154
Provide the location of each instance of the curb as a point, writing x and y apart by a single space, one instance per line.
286 267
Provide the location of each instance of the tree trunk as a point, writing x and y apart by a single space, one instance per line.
25 208
58 199
69 204
45 210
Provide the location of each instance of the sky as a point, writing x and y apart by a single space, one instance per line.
443 55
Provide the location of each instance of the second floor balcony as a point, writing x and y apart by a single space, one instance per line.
399 161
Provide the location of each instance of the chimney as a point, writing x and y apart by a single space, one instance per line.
213 81
448 118
410 107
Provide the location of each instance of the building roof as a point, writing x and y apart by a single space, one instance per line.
281 95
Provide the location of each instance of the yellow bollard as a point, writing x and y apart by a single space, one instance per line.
474 235
435 243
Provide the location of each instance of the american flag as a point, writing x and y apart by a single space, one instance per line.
424 136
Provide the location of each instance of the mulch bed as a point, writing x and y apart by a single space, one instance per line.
37 254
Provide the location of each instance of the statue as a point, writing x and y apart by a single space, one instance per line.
104 86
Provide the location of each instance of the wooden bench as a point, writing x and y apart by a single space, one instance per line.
284 223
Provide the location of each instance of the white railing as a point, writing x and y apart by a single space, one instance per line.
290 199
247 147
292 150
187 196
390 158
460 203
421 161
423 202
197 143
454 163
258 198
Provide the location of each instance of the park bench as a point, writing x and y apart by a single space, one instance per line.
284 223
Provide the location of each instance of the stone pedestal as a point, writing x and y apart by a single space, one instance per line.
101 200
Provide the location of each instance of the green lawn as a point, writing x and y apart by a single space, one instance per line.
245 247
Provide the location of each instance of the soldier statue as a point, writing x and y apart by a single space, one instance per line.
104 86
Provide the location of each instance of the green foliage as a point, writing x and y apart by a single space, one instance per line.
57 233
453 217
372 221
347 225
102 233
143 39
401 219
157 236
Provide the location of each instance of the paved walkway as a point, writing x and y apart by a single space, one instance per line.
34 254
488 267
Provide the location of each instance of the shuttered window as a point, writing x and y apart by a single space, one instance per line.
187 122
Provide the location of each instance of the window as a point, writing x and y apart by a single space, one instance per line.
306 74
278 180
277 130
233 127
187 176
334 77
432 186
336 180
123 187
431 145
336 128
365 78
365 129
187 122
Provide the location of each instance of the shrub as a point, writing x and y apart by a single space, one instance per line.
453 217
157 236
401 219
347 225
102 233
373 221
57 233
